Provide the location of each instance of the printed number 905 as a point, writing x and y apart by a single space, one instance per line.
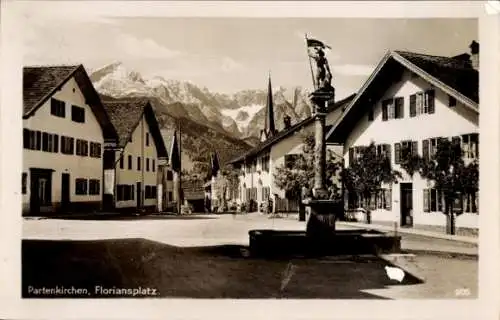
462 292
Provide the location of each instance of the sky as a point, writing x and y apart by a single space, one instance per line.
230 54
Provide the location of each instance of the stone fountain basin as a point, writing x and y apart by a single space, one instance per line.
282 243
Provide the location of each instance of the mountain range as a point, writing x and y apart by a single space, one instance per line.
227 123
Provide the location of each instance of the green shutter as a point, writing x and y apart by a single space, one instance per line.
430 101
388 199
414 148
426 200
413 105
397 152
400 110
425 149
384 111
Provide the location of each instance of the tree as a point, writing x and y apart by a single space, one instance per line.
300 173
366 174
450 174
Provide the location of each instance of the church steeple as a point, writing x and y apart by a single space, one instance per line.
269 128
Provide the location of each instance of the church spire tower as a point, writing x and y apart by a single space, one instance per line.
269 127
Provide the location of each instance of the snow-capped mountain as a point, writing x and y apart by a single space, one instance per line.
241 115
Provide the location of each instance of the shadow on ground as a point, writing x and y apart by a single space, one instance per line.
199 272
125 217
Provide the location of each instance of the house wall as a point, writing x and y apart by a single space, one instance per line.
445 122
137 148
77 166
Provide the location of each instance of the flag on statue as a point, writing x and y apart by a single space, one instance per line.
316 43
175 157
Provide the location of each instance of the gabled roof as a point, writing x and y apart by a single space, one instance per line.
126 114
453 75
40 83
265 145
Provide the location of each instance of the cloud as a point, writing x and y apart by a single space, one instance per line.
353 69
143 48
230 65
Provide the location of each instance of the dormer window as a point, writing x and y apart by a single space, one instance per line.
452 102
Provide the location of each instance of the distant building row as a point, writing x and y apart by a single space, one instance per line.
85 154
409 102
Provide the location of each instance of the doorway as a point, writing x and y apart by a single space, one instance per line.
40 190
65 189
139 195
406 204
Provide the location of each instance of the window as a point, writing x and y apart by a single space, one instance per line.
82 147
94 187
147 139
67 145
470 145
130 162
77 114
429 147
405 149
121 161
433 200
265 163
24 183
169 175
370 114
95 150
393 108
422 103
153 165
291 160
147 164
452 102
150 192
38 144
471 200
57 108
138 163
81 186
45 141
170 196
125 192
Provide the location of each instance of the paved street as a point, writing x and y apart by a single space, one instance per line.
203 257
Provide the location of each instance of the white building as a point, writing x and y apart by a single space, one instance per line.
278 149
65 128
409 102
131 166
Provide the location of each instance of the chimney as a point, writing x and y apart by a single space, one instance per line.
474 54
287 121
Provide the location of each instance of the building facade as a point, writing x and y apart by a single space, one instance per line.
65 128
132 165
410 102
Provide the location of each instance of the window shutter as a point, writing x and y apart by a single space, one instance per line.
414 148
45 141
430 101
388 152
351 156
458 204
56 143
413 105
38 140
384 111
425 149
388 199
397 152
26 138
399 106
426 200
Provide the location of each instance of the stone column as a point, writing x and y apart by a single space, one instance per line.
319 154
